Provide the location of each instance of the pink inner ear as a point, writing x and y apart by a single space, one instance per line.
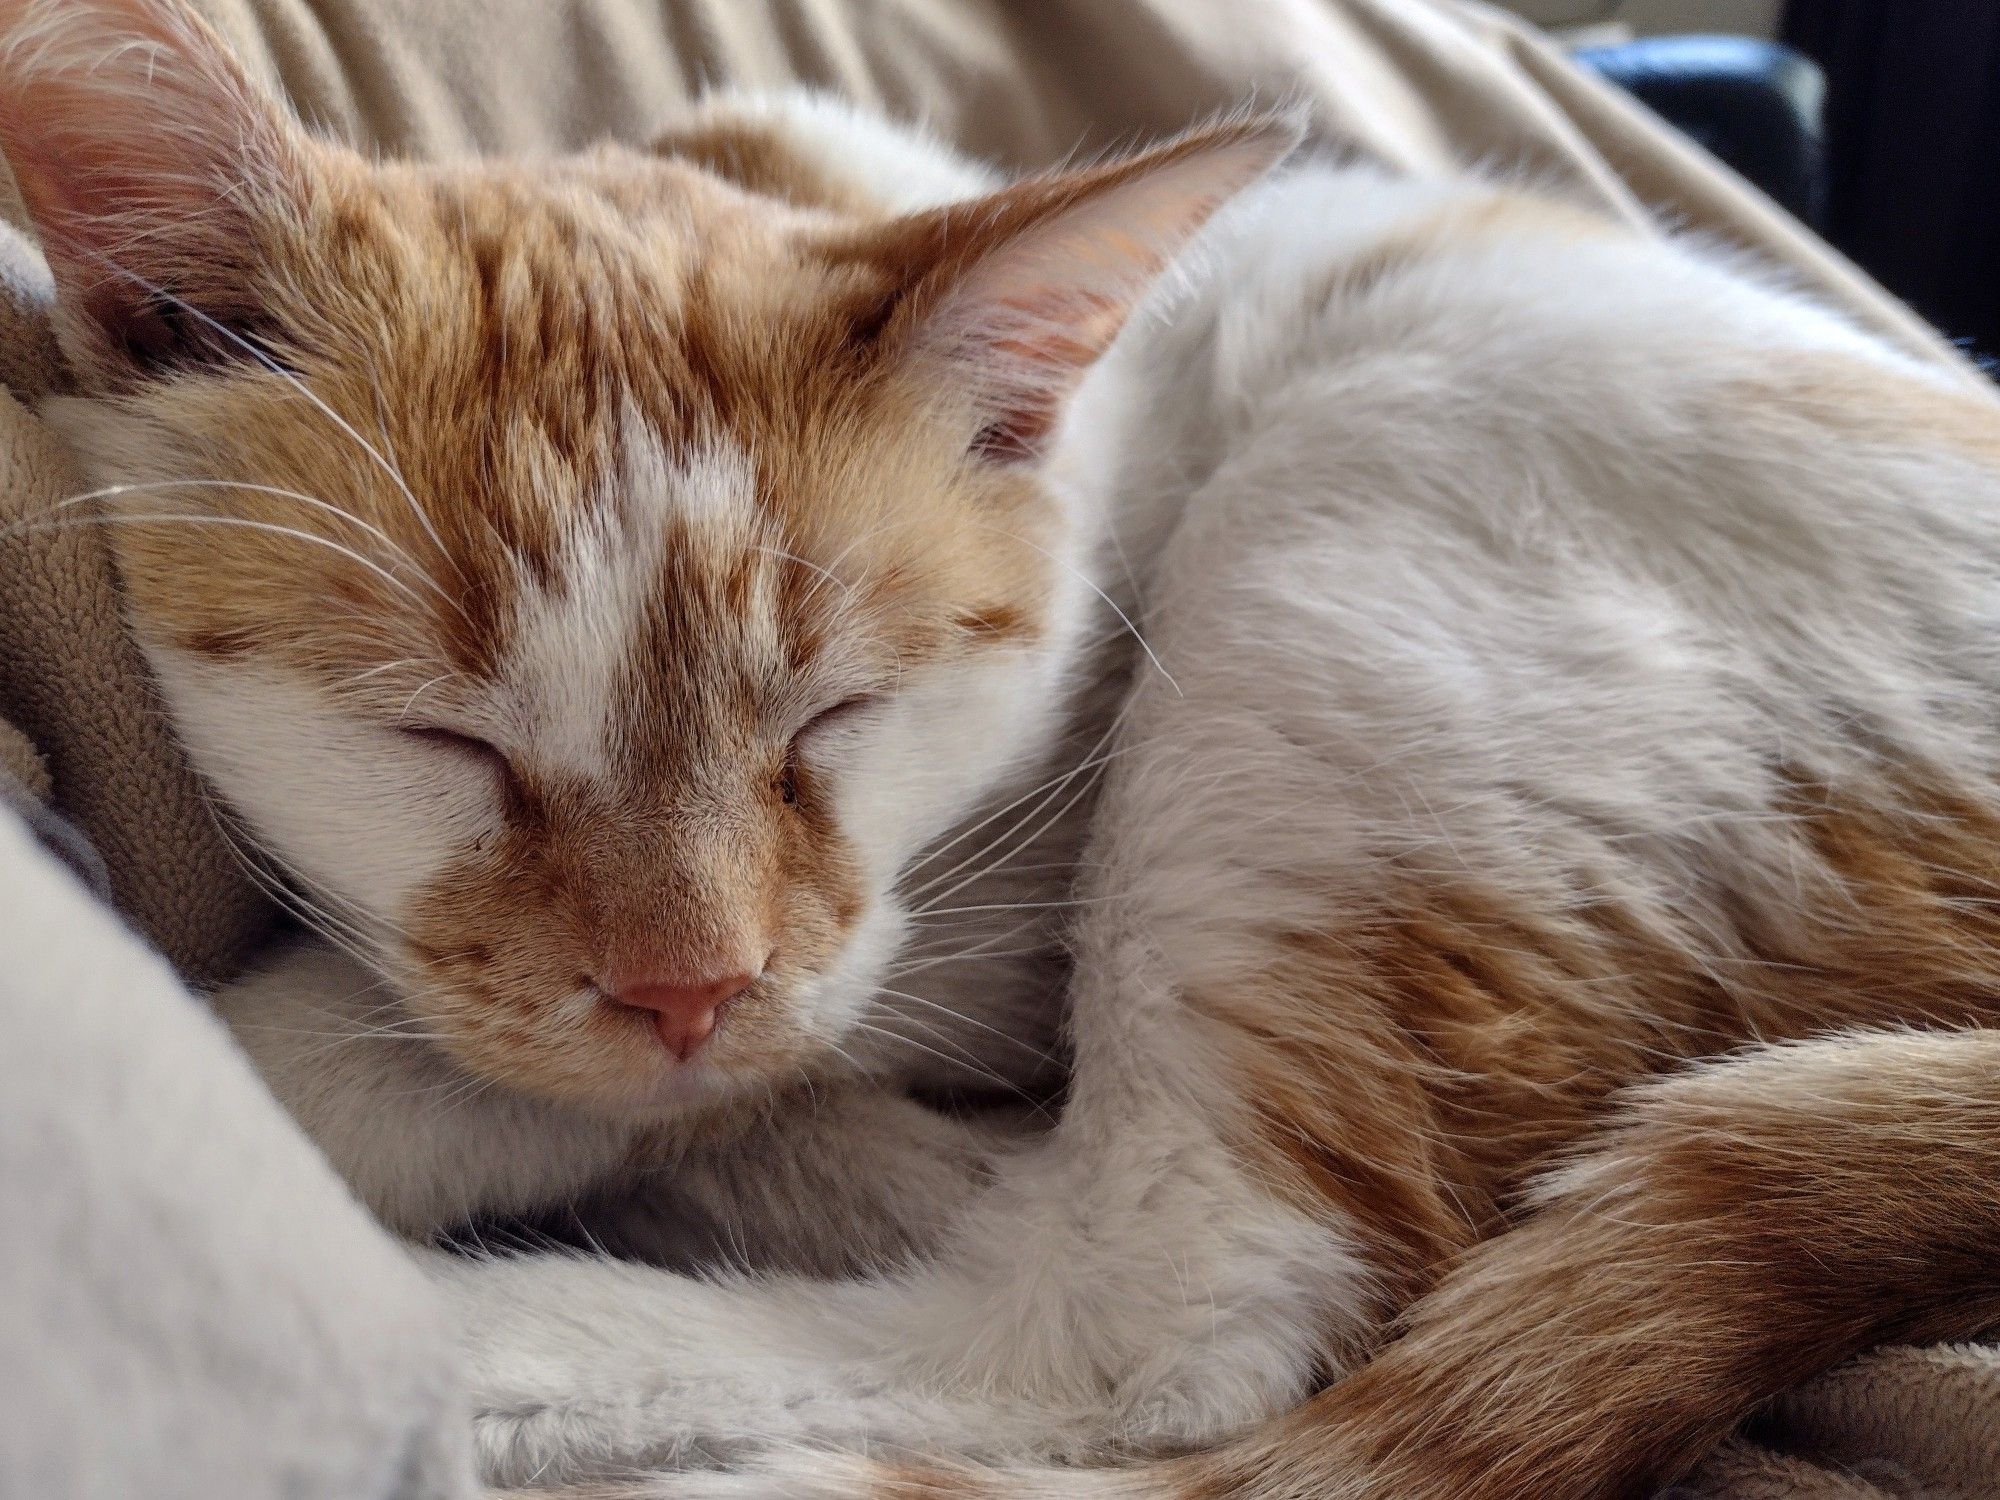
1025 316
132 134
1022 425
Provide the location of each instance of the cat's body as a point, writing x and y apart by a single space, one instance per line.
1566 658
1562 687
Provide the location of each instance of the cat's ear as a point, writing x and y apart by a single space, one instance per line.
1014 296
147 161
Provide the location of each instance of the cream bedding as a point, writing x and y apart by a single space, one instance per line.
1412 82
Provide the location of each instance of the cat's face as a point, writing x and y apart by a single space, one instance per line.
690 627
593 583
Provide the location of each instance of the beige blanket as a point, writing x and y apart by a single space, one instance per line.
1413 82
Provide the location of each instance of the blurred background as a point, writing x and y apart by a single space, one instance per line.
1877 121
1647 17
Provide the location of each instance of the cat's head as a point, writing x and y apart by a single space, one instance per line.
591 581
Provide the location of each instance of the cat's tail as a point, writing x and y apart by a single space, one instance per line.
1740 1227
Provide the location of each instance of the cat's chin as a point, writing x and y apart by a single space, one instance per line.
604 1077
679 1089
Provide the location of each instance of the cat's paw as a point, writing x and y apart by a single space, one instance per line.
803 1474
580 1367
1197 1407
589 1434
791 1438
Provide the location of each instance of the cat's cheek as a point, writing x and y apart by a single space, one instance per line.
949 735
353 814
828 1010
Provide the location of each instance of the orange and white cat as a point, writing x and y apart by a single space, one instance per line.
1520 924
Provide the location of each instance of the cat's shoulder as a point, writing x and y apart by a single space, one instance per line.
1523 293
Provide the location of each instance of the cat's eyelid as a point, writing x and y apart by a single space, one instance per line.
840 710
424 729
463 741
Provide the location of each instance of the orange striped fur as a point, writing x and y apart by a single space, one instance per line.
1537 1136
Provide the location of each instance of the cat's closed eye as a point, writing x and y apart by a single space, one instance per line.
469 747
841 715
828 720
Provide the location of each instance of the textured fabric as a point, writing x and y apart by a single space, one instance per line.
1415 83
1745 1471
21 765
1923 1423
1418 83
192 1307
71 679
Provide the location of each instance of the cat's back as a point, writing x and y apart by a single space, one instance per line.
1573 455
1499 312
1603 638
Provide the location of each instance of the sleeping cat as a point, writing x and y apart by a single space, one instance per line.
1476 721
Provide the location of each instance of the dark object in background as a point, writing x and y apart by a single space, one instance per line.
1913 148
1754 104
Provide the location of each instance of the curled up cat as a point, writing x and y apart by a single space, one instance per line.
1442 744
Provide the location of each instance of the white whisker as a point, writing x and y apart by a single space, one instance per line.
290 377
115 491
184 517
1089 583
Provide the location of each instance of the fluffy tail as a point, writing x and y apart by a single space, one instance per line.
1739 1228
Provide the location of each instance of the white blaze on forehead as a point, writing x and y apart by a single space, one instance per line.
573 638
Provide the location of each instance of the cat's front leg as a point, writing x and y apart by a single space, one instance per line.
579 1363
839 1179
582 1367
1127 1285
422 1144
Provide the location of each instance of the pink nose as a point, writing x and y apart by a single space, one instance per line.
684 1010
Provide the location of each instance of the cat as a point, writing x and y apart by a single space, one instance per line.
263 696
1503 703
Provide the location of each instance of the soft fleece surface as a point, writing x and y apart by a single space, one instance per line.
190 1305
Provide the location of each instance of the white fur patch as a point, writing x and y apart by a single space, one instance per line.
1476 574
572 643
364 814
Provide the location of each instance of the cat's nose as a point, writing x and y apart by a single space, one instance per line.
685 1009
